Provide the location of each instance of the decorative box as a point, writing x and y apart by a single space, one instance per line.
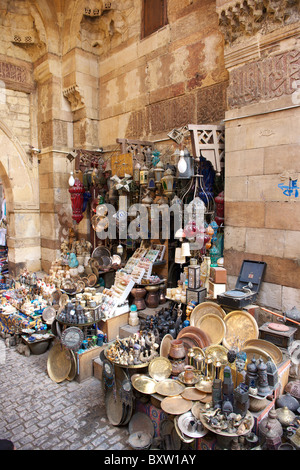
198 295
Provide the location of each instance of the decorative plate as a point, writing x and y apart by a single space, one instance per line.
270 348
176 405
165 345
213 326
72 338
218 353
196 331
48 315
143 384
240 327
59 362
203 309
73 370
169 388
191 427
160 368
192 393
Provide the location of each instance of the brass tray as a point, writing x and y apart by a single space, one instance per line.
257 353
268 347
191 393
169 388
191 382
73 370
160 368
143 384
176 405
165 345
213 326
204 386
218 353
114 407
59 363
240 327
203 309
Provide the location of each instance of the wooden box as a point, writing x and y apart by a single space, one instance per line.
112 326
85 363
218 275
282 339
97 368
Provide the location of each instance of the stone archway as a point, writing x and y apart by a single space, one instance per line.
19 175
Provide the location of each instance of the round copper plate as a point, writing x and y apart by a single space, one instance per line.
198 342
278 327
143 384
160 368
196 331
176 405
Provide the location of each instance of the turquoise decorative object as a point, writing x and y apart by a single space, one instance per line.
73 261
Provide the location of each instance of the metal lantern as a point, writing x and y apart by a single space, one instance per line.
144 175
158 172
77 191
168 182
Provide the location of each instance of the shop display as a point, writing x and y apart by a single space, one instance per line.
193 351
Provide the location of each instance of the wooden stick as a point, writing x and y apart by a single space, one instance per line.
280 316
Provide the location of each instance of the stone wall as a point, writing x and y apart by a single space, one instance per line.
262 171
172 78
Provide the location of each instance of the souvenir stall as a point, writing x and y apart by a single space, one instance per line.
183 361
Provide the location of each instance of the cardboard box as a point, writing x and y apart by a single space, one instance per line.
112 326
218 275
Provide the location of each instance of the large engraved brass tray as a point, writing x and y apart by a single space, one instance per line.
217 353
59 362
240 327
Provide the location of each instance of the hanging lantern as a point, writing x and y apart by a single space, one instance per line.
168 182
151 179
136 173
158 172
77 191
144 175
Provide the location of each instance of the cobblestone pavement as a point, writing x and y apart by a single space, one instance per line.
39 414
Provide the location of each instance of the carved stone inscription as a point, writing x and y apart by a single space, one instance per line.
15 76
264 80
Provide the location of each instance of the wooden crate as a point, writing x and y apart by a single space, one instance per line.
85 363
112 326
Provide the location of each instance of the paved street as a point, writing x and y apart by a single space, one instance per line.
38 414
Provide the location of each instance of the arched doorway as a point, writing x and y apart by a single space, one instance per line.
19 177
